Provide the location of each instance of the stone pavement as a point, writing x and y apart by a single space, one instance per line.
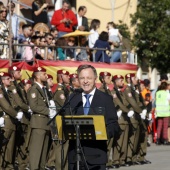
158 155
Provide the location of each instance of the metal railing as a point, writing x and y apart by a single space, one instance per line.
45 47
24 5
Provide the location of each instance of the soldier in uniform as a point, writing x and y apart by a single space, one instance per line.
62 90
122 106
50 165
60 96
143 123
11 114
105 79
74 83
135 118
21 100
40 105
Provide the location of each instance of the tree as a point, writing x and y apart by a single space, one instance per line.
152 33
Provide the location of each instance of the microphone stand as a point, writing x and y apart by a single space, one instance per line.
59 113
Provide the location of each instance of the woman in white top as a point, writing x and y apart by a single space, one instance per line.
95 24
115 38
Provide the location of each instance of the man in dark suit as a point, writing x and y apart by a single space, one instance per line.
88 103
82 20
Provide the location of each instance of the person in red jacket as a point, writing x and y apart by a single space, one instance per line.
64 19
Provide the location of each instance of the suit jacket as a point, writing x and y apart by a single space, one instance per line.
95 151
84 23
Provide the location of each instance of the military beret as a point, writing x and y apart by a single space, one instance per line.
26 81
63 72
130 75
50 76
141 81
39 69
102 74
14 68
117 77
73 76
4 74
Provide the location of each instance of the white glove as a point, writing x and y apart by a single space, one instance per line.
150 117
130 113
52 104
144 112
2 122
142 115
30 111
119 113
19 115
52 113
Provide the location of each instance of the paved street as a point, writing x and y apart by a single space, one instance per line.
158 155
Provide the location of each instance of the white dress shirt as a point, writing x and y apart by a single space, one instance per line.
91 97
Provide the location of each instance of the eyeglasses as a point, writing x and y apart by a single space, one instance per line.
3 11
71 41
50 38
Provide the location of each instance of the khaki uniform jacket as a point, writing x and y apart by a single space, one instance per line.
10 112
121 105
24 107
107 91
26 115
39 106
59 97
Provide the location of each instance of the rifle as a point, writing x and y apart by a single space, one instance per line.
132 89
30 78
105 87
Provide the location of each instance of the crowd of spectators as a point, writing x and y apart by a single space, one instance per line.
48 45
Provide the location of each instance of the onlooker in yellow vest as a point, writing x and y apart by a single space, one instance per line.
162 113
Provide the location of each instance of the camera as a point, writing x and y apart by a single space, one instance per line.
67 24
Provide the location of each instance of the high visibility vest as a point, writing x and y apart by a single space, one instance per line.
162 104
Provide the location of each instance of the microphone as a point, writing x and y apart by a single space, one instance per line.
79 90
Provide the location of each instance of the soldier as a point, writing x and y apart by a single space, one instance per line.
74 83
50 165
21 100
60 96
134 117
50 84
105 79
123 108
143 123
11 114
62 90
39 103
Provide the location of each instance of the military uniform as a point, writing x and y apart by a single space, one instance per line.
59 97
106 90
10 110
39 129
121 142
20 98
134 131
142 147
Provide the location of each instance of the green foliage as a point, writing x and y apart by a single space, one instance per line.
124 30
152 34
